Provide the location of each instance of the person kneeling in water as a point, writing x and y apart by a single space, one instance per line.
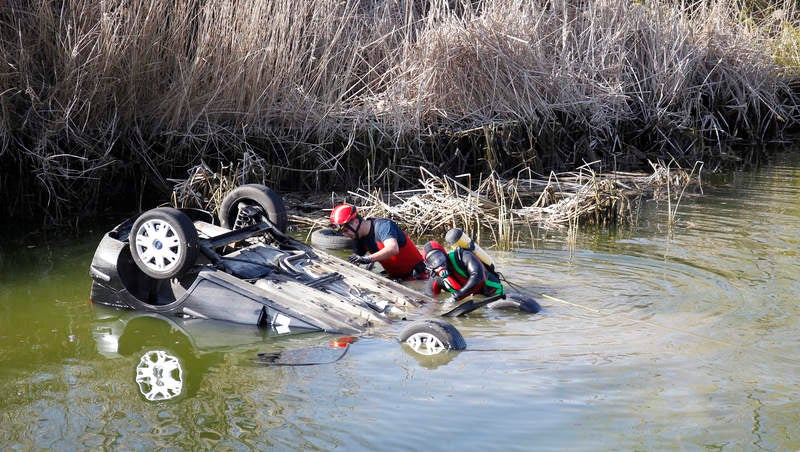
459 272
383 239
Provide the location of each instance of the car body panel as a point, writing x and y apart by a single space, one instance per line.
253 276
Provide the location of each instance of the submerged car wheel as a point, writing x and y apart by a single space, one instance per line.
163 243
256 195
514 303
430 337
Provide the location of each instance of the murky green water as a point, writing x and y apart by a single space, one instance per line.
650 339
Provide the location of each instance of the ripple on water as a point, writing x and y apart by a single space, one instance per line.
637 282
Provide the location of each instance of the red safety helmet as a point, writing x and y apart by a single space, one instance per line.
343 214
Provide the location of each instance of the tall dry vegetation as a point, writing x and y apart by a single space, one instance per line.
102 101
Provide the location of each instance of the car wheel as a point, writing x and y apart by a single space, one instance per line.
430 337
521 304
257 195
163 243
328 239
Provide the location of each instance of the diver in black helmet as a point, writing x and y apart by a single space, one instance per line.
459 272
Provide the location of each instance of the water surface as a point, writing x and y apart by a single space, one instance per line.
651 338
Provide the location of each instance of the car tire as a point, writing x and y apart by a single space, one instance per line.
253 194
163 243
328 239
522 304
430 337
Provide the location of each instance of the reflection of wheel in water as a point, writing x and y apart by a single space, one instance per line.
159 376
430 361
431 337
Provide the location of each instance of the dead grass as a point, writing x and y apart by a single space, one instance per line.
495 206
349 93
502 207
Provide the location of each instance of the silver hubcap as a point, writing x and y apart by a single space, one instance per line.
425 344
158 245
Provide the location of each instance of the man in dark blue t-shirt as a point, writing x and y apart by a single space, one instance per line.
383 239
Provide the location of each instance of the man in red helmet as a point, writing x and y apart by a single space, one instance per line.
383 239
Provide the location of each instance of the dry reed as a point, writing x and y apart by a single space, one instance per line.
103 101
495 206
499 206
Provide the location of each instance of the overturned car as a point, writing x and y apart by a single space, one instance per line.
242 267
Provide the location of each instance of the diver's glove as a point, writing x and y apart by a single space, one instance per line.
452 299
356 259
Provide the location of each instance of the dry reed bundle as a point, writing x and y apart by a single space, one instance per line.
205 188
440 204
496 206
499 206
343 93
